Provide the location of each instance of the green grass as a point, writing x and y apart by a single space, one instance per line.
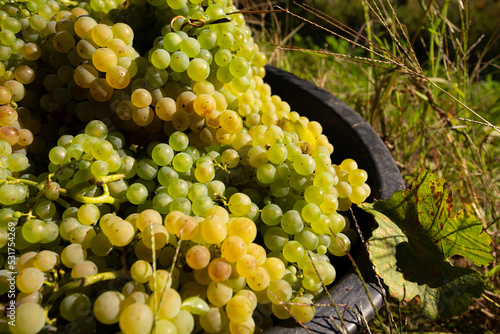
431 95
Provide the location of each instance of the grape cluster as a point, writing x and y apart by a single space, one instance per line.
158 182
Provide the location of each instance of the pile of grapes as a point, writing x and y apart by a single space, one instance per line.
149 180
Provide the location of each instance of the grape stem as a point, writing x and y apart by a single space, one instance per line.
76 191
104 198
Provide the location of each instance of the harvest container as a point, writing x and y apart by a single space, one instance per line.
352 137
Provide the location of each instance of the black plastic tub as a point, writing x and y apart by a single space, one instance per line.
352 137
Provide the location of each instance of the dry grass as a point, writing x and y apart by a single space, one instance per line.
438 111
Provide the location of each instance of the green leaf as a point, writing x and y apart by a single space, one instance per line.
416 236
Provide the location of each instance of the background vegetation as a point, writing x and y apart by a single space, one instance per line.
425 74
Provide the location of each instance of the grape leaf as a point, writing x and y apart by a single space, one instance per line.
417 234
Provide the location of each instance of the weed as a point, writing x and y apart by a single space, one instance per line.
436 108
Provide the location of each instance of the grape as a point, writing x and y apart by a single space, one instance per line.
120 233
88 214
218 294
293 251
82 235
97 129
166 302
141 271
302 309
136 319
137 193
30 318
182 162
339 244
190 46
107 307
198 257
171 41
213 229
30 280
74 305
155 236
34 230
179 61
73 254
100 245
214 320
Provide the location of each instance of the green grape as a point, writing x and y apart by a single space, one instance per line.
293 251
73 254
257 156
178 141
277 153
204 172
201 205
197 190
310 212
239 309
168 302
66 226
344 189
340 244
181 204
182 162
275 238
30 318
271 214
162 154
238 66
214 320
291 222
266 173
45 209
99 168
308 238
141 271
198 69
30 280
190 46
147 169
358 195
155 236
137 193
322 224
207 39
102 149
280 187
166 175
218 294
120 233
239 204
34 230
179 61
97 129
57 155
128 167
100 245
74 305
178 188
107 307
83 235
171 41
18 162
304 164
88 214
223 57
161 203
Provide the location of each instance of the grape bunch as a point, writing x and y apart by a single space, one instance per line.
149 178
